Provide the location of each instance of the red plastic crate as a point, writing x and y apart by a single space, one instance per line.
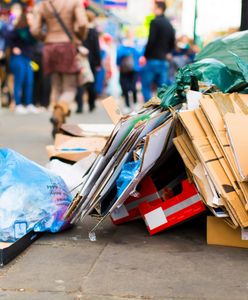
160 215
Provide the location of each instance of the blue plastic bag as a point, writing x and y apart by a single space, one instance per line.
128 172
31 197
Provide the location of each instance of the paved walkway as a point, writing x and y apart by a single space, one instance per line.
124 263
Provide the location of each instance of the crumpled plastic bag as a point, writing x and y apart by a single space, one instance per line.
31 197
209 71
222 49
128 172
223 63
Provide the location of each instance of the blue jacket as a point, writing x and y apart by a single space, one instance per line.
124 51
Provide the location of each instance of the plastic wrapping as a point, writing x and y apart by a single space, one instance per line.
223 63
222 49
127 174
209 71
31 197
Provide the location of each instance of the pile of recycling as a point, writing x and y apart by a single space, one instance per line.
181 155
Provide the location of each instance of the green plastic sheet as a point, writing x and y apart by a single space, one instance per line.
223 63
222 49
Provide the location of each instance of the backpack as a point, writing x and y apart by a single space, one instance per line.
127 64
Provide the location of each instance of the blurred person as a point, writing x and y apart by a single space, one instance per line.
100 74
92 44
21 44
161 42
183 54
2 51
128 63
184 51
42 82
59 52
106 45
4 92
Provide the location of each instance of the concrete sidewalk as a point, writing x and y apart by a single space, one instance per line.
124 262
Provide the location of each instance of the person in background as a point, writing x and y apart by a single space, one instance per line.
92 44
160 44
128 63
3 61
184 52
21 44
100 75
59 53
107 45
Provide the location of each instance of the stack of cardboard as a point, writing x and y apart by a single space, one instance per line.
141 147
142 138
212 143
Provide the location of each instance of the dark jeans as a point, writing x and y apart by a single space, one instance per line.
90 88
42 83
128 83
23 79
155 71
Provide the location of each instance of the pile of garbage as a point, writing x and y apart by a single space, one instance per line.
200 117
139 148
183 154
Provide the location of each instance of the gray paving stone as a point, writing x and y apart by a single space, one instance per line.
51 268
36 296
176 267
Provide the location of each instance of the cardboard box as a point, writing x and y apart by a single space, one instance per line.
73 149
160 215
8 251
220 233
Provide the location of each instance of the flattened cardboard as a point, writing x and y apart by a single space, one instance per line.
105 165
112 109
218 151
214 168
184 152
156 139
239 142
214 116
71 156
87 130
68 148
220 233
93 144
118 151
196 169
203 185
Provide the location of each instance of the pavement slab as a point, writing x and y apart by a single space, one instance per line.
164 266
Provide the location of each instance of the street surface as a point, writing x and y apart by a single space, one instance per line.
124 262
